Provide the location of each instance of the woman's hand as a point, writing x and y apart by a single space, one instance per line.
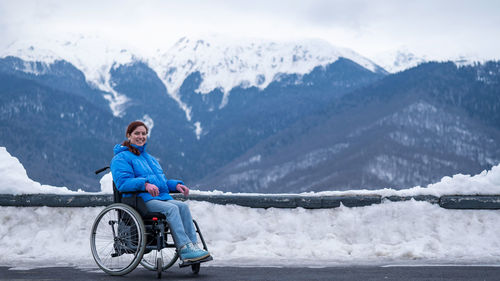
183 189
152 189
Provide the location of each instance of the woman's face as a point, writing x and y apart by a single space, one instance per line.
138 136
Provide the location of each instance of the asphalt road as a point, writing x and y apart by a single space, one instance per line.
428 273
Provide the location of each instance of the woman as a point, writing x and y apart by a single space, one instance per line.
133 169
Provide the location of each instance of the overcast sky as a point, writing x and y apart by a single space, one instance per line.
438 28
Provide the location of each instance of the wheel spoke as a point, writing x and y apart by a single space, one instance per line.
117 239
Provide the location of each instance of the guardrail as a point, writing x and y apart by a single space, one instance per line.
259 201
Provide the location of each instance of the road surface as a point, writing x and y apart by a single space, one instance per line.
428 273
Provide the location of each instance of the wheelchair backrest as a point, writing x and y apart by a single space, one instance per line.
117 196
134 201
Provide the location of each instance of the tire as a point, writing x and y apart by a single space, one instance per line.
117 240
169 256
159 265
195 268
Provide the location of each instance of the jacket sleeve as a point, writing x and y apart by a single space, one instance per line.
124 178
172 184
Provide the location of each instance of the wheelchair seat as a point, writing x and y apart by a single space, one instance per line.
137 203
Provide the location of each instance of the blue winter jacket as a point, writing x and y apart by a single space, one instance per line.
131 173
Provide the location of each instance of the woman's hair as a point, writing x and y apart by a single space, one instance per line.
131 127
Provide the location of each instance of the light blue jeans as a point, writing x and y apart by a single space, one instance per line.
179 220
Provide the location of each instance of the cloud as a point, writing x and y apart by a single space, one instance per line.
365 25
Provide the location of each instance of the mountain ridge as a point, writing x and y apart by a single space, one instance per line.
396 132
222 64
301 131
226 133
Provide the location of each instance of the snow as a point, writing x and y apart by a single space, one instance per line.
409 232
399 60
149 123
402 58
92 55
223 63
387 233
226 63
15 180
485 183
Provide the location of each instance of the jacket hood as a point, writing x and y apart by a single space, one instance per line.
121 148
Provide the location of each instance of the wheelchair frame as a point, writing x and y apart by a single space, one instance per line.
125 234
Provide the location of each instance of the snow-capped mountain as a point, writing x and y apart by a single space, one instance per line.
403 58
222 63
55 81
399 60
219 103
225 64
405 129
90 54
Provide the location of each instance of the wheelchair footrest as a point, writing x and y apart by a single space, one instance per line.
188 263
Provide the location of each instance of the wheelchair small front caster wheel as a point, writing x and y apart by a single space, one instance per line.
159 267
195 268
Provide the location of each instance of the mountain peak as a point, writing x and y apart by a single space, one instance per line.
223 63
93 55
399 60
226 63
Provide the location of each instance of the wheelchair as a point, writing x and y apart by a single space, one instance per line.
125 234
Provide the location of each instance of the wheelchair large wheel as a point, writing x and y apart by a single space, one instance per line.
168 256
117 239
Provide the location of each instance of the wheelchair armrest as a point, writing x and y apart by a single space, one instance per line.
132 192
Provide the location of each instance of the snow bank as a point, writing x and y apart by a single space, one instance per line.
15 180
485 183
389 232
392 232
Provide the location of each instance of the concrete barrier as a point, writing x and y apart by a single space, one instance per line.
491 202
254 201
55 200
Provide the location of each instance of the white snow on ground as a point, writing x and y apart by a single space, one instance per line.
408 232
388 233
485 183
15 180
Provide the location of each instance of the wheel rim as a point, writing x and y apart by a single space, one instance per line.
117 239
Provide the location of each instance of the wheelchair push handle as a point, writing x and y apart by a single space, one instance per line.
101 170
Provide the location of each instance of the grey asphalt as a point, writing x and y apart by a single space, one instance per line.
428 273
